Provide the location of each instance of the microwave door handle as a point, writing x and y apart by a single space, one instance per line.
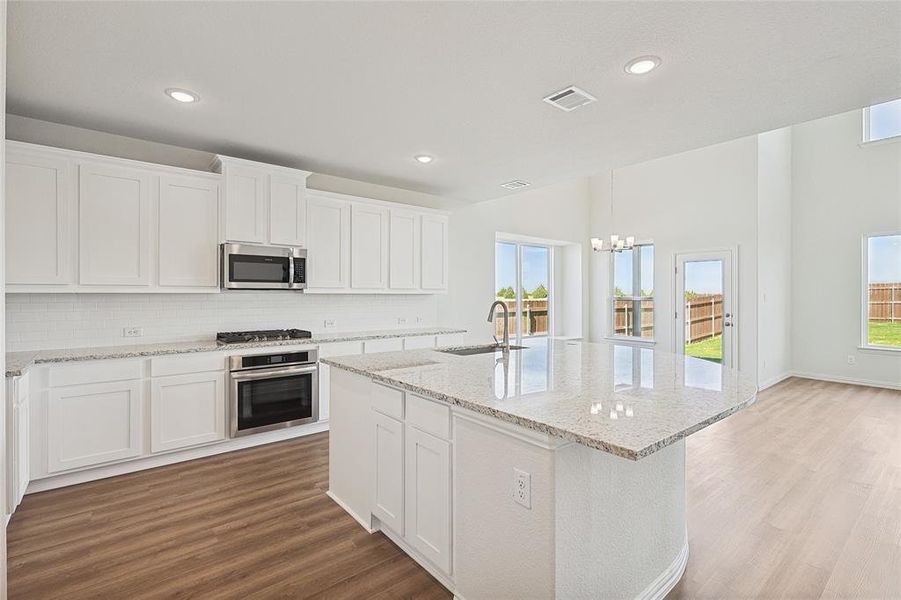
290 281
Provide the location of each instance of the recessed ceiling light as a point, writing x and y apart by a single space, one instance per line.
515 184
642 65
423 158
183 96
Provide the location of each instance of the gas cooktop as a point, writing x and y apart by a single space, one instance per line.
262 335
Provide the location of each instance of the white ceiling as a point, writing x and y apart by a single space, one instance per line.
356 89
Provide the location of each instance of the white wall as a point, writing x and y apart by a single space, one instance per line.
557 212
774 237
701 200
841 191
2 287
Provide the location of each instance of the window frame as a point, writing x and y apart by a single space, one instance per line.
865 129
635 299
865 292
517 290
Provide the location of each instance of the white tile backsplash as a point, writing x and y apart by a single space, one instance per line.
40 321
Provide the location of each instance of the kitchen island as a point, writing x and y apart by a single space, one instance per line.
554 471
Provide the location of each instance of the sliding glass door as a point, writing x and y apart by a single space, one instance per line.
523 283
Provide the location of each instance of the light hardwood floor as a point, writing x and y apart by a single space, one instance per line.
798 496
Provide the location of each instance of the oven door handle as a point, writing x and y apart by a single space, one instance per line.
252 374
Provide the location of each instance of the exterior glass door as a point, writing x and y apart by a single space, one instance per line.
705 319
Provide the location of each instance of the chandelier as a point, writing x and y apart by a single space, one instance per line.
617 243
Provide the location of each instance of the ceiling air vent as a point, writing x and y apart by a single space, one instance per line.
570 99
515 184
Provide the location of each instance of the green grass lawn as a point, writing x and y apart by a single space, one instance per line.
709 349
885 334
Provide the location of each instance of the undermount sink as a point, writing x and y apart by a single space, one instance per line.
478 350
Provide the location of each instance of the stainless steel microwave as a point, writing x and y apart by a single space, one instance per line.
250 267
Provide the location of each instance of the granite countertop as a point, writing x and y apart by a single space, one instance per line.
18 362
624 400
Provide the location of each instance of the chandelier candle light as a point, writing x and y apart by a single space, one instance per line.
617 244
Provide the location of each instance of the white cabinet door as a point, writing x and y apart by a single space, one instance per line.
40 195
245 204
12 448
369 247
186 410
287 210
428 508
188 232
388 470
23 473
328 239
92 424
114 225
404 254
434 252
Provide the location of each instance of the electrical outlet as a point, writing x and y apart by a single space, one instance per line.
852 360
522 488
401 321
132 332
418 320
329 324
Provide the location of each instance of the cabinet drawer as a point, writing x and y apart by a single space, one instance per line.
425 341
383 345
95 372
387 400
340 349
179 365
429 416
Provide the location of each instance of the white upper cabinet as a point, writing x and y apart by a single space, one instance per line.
188 232
369 247
40 205
328 239
403 254
245 203
434 252
114 225
287 210
264 204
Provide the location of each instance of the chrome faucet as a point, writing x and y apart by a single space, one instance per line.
502 304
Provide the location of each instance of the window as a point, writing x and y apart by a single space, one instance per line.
522 277
633 292
882 121
882 291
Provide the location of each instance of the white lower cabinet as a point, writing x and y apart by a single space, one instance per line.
383 345
427 497
411 485
17 440
388 475
93 424
187 410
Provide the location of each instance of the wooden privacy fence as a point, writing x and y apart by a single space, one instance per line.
703 317
622 318
885 302
533 322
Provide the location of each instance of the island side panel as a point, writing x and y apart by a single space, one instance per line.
621 529
350 444
502 549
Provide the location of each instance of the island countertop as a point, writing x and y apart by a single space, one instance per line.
626 400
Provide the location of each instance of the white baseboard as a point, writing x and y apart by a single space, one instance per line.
367 526
889 385
151 462
421 561
773 381
666 581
